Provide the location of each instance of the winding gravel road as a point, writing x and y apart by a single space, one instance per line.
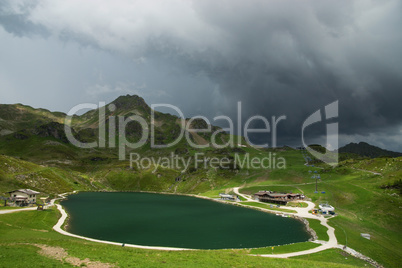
302 212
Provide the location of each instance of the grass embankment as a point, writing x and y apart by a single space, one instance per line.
242 198
320 230
9 208
19 232
285 248
332 257
297 204
267 206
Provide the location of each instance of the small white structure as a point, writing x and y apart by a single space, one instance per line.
23 197
325 208
367 236
229 197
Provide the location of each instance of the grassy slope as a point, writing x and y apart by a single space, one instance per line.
17 116
361 204
320 230
267 206
19 231
15 173
356 195
285 248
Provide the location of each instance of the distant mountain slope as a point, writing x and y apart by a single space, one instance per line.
38 135
367 150
24 121
16 173
15 117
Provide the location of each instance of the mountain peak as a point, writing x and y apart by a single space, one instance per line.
130 102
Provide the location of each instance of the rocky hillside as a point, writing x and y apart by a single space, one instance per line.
16 174
38 155
367 150
16 117
26 127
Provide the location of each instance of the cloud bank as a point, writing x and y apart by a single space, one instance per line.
276 57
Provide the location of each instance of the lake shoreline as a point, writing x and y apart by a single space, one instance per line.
307 228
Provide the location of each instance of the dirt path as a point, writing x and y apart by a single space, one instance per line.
61 254
372 172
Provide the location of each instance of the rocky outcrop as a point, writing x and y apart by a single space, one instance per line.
53 129
312 233
358 255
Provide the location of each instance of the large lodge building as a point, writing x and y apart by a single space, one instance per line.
23 197
277 198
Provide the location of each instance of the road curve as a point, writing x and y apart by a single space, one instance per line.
304 213
236 191
331 243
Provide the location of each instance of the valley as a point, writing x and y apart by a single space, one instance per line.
36 154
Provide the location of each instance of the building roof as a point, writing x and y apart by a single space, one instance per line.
226 195
262 193
326 207
25 191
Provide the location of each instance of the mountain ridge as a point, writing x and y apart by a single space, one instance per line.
367 150
22 121
31 132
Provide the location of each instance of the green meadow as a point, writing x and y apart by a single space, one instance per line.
361 199
22 232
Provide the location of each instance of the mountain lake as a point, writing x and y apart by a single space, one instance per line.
176 221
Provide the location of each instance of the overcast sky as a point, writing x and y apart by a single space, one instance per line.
277 57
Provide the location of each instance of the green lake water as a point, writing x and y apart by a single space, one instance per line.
177 221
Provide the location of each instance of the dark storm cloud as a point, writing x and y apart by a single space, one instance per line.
281 60
16 21
276 57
